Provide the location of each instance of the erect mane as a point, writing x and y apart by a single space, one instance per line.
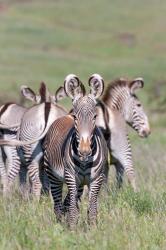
120 82
43 92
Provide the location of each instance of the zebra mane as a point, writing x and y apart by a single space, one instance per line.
43 92
115 90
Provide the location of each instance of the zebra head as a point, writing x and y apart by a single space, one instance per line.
84 110
120 95
133 110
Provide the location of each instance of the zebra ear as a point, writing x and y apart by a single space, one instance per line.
73 86
96 84
29 94
137 83
60 94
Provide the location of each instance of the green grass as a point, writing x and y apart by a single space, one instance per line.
46 40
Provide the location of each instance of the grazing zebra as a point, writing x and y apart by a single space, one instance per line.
75 151
10 120
118 106
34 126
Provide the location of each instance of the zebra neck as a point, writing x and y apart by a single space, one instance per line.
117 99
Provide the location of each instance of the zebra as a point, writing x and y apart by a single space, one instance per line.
10 119
75 151
34 126
120 105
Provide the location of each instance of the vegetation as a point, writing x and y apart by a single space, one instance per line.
46 40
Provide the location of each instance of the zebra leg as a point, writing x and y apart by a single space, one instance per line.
121 151
94 189
24 185
44 179
23 172
56 191
13 167
56 186
3 172
72 215
33 172
66 202
33 155
119 173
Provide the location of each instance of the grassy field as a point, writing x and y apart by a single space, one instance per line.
46 40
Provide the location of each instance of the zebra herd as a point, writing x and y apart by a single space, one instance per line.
53 146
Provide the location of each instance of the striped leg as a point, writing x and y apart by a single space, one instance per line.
119 173
44 179
121 151
33 172
33 155
24 187
23 179
56 191
125 162
66 202
72 215
94 189
3 172
13 166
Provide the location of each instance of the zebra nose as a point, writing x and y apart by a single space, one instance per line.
145 132
84 147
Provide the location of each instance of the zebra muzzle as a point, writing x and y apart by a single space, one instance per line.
145 133
85 147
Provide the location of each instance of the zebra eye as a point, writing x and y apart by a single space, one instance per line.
94 118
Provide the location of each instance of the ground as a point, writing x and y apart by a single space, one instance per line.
46 40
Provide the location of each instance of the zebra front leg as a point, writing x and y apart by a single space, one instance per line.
121 151
130 173
94 189
73 211
66 202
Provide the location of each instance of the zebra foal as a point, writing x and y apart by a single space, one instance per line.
75 151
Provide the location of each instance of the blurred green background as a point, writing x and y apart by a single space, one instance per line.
46 40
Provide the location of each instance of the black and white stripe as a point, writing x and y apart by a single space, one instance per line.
76 152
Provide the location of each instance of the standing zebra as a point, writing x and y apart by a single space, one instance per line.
75 150
34 126
118 106
10 120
